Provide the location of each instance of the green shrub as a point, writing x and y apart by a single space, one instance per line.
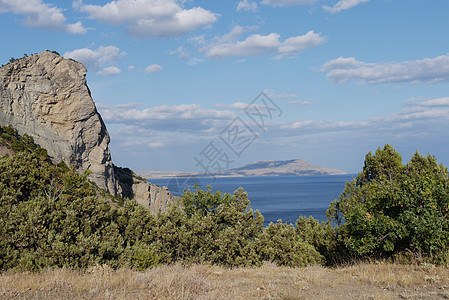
52 216
392 208
280 243
213 228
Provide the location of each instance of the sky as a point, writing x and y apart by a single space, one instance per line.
204 86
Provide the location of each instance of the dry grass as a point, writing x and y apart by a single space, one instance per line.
361 281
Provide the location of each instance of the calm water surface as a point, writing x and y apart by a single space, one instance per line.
283 197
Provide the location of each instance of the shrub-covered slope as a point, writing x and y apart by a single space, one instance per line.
53 216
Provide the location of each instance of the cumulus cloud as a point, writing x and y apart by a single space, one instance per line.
295 45
109 71
178 118
439 102
417 117
132 112
253 45
151 18
256 44
153 69
41 15
103 59
428 70
287 2
343 5
247 5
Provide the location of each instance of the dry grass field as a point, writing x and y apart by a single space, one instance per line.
361 281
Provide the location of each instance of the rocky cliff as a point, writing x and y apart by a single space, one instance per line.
47 97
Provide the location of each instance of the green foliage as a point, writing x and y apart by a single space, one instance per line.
203 202
52 216
13 60
213 228
280 243
10 138
322 236
49 217
393 208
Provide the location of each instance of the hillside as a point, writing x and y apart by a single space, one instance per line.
293 167
46 97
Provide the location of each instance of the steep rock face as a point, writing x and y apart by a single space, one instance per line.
46 97
148 195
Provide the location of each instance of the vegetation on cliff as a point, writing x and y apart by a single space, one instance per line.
53 216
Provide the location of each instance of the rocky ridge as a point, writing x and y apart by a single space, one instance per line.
46 96
293 167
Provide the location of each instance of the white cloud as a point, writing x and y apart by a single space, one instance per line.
295 45
155 145
247 5
131 112
198 40
428 70
41 15
235 105
228 45
323 125
343 5
253 45
440 102
178 118
109 71
182 54
96 59
285 95
194 61
151 18
419 117
131 68
299 102
153 69
287 2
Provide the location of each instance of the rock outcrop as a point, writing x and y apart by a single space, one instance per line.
46 96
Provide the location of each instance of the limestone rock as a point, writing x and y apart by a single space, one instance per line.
47 97
148 195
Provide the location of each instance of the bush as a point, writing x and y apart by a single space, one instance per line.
210 227
52 216
392 208
281 243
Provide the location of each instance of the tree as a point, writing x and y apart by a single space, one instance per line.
392 208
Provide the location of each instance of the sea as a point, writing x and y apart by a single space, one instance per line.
276 197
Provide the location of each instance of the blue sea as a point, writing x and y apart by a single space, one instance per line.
283 197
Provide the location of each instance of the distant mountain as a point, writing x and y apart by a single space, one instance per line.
293 167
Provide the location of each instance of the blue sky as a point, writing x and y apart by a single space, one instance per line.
170 77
